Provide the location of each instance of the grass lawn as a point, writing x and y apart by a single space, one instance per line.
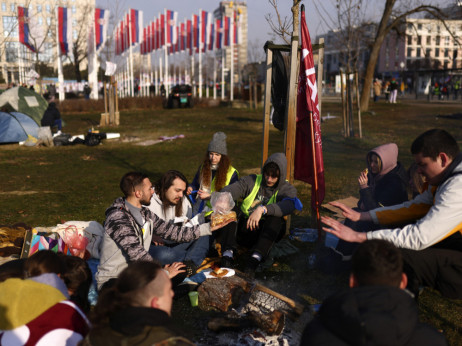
45 186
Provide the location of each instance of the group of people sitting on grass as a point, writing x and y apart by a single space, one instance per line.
155 240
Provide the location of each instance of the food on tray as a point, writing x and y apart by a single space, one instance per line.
218 219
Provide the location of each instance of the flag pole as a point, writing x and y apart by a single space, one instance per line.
315 176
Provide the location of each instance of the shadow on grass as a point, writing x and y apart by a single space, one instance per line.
242 120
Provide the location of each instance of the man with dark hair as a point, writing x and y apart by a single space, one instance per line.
129 228
266 199
375 310
170 203
431 239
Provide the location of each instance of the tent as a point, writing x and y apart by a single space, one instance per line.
24 100
15 127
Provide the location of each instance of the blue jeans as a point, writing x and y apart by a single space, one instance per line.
195 251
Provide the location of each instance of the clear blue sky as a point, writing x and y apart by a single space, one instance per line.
259 30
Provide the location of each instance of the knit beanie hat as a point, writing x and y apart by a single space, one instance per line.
218 144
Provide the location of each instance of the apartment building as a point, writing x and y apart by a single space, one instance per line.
15 57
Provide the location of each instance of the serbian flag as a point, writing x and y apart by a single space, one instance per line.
162 29
189 38
101 24
196 33
153 36
24 33
219 30
227 26
306 164
212 37
206 21
182 37
64 26
170 23
136 25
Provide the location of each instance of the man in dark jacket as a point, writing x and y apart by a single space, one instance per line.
52 117
267 198
376 310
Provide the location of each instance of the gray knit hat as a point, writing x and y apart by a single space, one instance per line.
218 143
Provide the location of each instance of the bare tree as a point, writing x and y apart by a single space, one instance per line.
393 15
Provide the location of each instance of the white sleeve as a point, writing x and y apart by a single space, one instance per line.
442 220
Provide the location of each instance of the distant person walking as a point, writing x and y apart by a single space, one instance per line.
87 91
393 90
377 89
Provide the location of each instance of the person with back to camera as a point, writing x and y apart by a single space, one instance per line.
376 309
431 240
215 173
52 116
136 310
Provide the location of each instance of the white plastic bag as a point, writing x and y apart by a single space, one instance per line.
222 202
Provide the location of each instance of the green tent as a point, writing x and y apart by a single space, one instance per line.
24 100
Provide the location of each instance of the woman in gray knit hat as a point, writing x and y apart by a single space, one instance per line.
215 172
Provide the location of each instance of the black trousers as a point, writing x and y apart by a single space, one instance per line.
261 240
439 267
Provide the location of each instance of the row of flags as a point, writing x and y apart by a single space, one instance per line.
98 29
201 32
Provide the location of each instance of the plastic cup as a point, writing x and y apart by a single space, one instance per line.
194 298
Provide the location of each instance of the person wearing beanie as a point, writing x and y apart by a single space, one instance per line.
213 174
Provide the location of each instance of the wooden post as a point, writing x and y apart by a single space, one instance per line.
104 116
351 131
291 109
357 103
342 90
267 104
117 114
250 92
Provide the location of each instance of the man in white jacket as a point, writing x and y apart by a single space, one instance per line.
169 202
431 239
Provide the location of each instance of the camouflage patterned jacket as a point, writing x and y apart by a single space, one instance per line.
125 241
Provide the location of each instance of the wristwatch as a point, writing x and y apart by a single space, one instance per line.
264 210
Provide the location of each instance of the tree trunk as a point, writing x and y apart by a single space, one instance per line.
382 31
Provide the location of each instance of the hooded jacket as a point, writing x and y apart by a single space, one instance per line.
124 240
370 315
389 186
137 326
243 187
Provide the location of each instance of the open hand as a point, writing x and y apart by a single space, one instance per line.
174 269
254 219
349 213
341 231
203 195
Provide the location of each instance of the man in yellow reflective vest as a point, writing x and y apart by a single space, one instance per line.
266 199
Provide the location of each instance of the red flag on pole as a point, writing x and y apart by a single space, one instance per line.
309 164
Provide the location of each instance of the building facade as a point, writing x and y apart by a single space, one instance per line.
238 53
15 58
427 44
